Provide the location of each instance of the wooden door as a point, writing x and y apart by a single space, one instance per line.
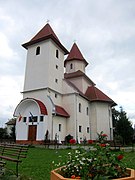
32 133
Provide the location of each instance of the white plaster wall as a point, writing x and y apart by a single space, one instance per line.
61 134
69 103
41 69
37 66
93 120
21 130
67 89
82 118
100 119
42 128
55 73
77 65
103 119
81 83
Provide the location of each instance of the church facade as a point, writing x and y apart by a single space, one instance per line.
58 97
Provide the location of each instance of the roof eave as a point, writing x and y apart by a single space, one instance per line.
25 45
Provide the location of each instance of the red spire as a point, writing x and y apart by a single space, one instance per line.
75 54
45 33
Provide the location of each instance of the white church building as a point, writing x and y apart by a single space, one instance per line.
58 97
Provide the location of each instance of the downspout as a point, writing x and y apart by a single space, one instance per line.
110 127
53 113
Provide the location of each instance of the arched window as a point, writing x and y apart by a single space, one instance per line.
57 53
71 66
79 107
38 50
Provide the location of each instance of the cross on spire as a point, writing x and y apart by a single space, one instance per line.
47 21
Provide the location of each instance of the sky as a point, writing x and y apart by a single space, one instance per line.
104 31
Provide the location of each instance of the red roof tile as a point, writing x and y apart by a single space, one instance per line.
60 111
77 74
94 94
43 109
45 33
41 105
75 54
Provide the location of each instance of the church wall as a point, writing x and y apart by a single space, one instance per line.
42 128
77 118
93 120
76 65
21 131
69 103
81 83
56 67
59 128
103 118
36 67
83 119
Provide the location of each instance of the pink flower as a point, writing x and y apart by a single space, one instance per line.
90 141
72 141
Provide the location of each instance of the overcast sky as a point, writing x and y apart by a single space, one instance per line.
104 31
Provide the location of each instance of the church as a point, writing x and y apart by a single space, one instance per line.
58 97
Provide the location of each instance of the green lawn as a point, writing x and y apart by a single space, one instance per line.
38 164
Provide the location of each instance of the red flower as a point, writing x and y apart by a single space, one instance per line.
90 141
103 145
72 141
73 176
104 135
119 157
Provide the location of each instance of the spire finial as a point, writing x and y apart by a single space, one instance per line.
47 21
74 40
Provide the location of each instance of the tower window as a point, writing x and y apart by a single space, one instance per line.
41 118
56 80
79 107
59 127
88 129
87 111
38 50
57 53
24 119
56 95
71 66
56 66
80 128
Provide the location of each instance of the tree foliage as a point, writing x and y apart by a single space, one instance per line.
3 133
122 126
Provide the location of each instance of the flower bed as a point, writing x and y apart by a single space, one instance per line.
99 163
56 176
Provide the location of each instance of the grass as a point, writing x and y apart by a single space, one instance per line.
38 164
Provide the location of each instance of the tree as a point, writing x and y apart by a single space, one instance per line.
122 126
3 133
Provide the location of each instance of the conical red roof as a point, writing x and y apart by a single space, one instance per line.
45 33
75 54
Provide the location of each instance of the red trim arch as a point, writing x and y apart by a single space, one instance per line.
40 104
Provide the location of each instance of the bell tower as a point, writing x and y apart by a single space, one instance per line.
45 61
75 60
